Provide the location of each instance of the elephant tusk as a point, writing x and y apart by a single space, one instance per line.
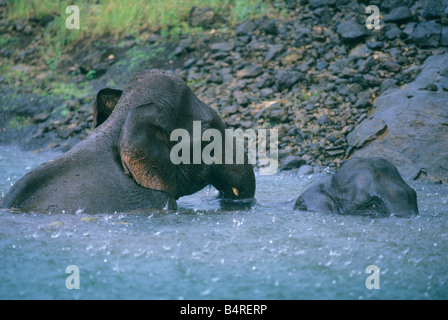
235 191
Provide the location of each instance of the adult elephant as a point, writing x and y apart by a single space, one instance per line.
124 164
361 187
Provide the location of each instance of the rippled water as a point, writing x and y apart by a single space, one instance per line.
204 252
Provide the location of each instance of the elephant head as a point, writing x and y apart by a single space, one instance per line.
361 187
125 164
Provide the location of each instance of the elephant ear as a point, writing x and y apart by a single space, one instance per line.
105 103
145 149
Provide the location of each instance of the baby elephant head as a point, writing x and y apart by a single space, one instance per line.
361 187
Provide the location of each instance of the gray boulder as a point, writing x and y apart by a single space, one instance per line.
410 125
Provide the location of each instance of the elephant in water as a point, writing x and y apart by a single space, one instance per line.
124 164
361 187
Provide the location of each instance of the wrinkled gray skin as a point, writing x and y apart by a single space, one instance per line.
361 187
124 164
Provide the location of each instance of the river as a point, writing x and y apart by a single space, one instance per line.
203 251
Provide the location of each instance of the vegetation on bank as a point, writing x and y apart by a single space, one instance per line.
130 17
101 19
118 19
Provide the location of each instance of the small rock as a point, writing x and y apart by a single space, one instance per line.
222 46
41 117
266 92
291 59
189 63
265 81
306 170
366 65
201 17
360 51
292 162
19 26
178 51
251 71
229 109
310 107
214 78
278 114
393 32
322 120
398 15
434 9
245 28
65 131
269 27
375 45
287 78
242 98
392 66
273 51
246 124
363 100
371 81
336 151
72 104
220 55
186 43
153 38
96 61
351 31
28 30
409 28
431 87
321 65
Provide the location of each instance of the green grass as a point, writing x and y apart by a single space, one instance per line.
25 9
141 57
68 91
127 17
56 86
19 122
7 40
116 18
11 74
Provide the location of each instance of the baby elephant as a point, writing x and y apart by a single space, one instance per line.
361 187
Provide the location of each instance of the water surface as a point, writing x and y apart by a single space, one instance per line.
202 251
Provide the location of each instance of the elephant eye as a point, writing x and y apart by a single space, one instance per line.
374 206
